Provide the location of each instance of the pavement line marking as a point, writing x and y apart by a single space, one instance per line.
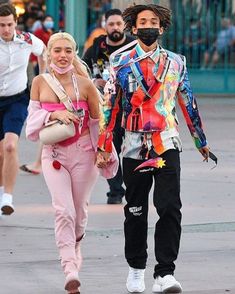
192 228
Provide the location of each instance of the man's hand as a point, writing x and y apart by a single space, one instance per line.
205 152
102 159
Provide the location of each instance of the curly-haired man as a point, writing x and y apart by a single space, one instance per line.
149 80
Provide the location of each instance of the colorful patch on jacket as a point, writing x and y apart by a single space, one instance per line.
24 36
157 162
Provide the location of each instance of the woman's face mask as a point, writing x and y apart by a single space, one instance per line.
60 70
48 24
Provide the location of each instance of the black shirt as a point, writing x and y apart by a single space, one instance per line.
100 51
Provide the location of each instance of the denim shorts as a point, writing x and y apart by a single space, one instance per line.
13 112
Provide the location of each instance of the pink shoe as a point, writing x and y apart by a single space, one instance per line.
72 283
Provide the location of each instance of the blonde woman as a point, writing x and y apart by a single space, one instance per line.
69 166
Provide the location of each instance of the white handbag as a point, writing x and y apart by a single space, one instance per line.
56 131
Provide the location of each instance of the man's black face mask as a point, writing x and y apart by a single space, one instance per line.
148 35
116 36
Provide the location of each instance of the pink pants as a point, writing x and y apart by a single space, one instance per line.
70 188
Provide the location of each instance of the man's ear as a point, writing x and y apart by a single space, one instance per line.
134 30
161 30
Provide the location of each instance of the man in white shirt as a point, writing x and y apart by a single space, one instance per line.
15 49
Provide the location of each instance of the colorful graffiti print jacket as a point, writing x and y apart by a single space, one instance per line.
149 85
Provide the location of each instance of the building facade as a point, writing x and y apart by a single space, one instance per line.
197 27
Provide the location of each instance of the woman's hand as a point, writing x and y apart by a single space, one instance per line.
102 159
64 116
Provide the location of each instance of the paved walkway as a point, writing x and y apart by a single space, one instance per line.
206 264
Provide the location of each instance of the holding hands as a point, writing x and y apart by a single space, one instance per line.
102 159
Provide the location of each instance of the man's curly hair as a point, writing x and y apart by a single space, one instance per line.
130 15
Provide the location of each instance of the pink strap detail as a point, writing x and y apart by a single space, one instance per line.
51 106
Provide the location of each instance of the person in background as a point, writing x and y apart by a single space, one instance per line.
222 47
29 20
69 166
14 96
97 58
98 31
148 79
43 34
194 43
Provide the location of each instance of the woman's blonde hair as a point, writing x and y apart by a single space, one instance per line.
77 62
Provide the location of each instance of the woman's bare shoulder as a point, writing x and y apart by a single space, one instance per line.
38 80
85 81
39 88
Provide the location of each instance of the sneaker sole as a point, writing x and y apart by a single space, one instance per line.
136 291
7 210
173 289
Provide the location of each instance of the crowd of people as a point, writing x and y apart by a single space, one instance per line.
197 27
223 48
200 52
131 111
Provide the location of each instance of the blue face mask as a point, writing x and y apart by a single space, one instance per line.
49 24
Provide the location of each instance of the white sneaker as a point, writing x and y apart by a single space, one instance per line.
7 207
135 280
167 284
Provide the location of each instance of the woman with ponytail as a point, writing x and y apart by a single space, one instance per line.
68 166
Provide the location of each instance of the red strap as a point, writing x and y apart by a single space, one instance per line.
132 53
156 85
154 88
